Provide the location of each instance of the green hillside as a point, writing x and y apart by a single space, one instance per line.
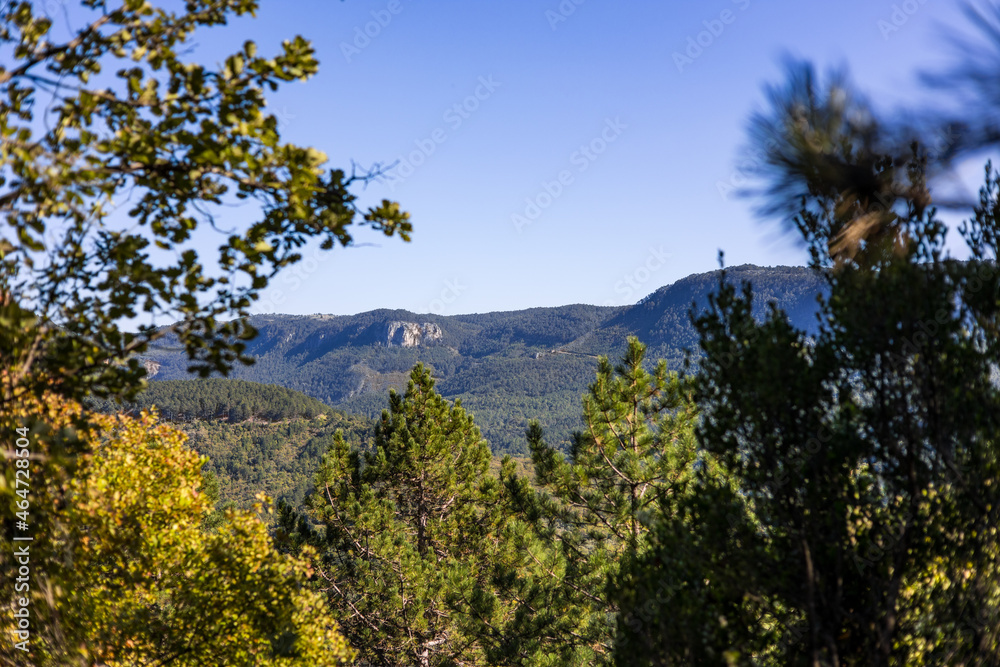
258 437
265 438
506 367
277 459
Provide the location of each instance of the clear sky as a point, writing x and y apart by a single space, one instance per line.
557 152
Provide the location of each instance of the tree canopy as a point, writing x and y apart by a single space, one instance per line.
117 114
116 153
122 571
589 509
406 531
866 451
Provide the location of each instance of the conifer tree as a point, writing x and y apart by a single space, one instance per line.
868 449
407 532
636 454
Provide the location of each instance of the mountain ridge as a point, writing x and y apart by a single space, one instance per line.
507 367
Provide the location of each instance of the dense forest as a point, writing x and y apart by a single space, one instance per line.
259 439
232 401
278 460
760 467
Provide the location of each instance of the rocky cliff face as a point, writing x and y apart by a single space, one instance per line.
411 334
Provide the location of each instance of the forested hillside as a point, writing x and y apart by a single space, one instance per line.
217 398
258 438
278 460
506 367
662 317
757 467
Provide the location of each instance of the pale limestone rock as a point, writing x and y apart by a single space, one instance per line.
411 334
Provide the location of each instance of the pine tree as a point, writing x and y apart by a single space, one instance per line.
407 532
867 448
592 507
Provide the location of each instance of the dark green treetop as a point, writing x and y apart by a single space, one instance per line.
590 508
867 452
407 531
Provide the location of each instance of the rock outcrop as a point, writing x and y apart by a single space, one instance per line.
152 367
411 334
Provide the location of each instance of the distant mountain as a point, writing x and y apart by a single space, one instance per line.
506 367
661 319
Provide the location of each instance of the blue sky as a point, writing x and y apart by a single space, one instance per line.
554 153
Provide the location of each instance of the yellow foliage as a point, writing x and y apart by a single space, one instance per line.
122 572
